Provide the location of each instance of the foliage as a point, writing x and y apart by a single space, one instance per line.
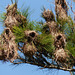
71 43
25 12
64 24
19 33
2 17
67 26
45 42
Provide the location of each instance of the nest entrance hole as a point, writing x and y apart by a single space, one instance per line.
32 34
59 37
7 31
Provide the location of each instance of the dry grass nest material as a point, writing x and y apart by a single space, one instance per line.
48 15
61 55
9 47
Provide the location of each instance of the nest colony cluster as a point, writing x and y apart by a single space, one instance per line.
36 48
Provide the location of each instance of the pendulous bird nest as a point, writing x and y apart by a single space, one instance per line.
8 49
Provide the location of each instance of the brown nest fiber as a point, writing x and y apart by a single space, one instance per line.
61 9
8 46
12 17
31 35
29 49
59 41
52 27
61 55
48 15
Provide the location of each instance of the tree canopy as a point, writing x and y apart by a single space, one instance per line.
48 45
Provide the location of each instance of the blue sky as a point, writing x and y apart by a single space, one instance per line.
26 69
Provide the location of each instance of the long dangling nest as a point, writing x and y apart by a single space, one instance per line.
29 48
12 17
59 43
8 46
61 9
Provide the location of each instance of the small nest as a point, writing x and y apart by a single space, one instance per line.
31 35
29 49
60 56
48 15
59 41
8 46
52 27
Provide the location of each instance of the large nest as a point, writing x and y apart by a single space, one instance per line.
12 17
61 13
29 48
63 4
61 9
8 46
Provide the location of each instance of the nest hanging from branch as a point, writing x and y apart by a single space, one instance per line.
60 41
50 21
13 18
52 27
48 15
10 16
61 56
31 35
9 47
61 9
29 49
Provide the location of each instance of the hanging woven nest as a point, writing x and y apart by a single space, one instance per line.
10 15
52 27
61 56
13 18
8 46
3 51
29 49
31 35
59 41
61 9
48 15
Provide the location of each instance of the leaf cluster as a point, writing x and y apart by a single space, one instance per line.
45 42
71 43
19 33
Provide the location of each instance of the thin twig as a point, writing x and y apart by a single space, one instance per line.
71 73
20 50
51 2
12 1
